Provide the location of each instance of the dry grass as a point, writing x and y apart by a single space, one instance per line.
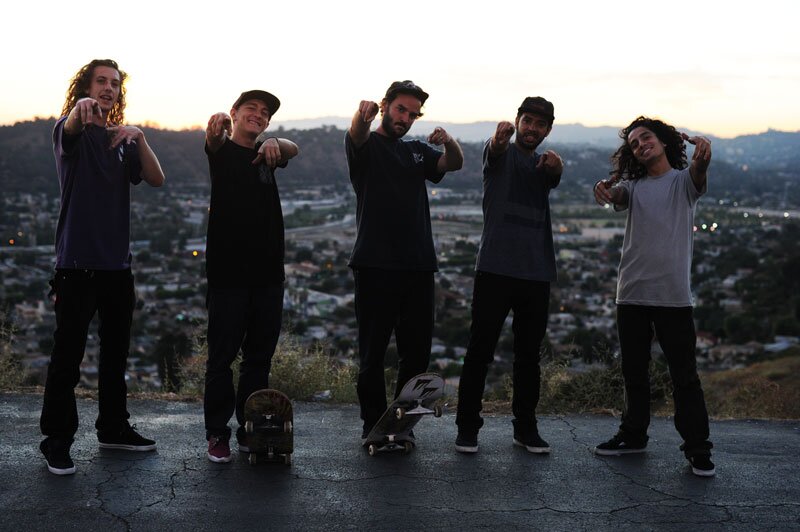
768 389
299 373
12 372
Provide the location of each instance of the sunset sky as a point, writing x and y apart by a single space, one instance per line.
721 68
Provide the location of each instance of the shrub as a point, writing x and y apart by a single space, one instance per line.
12 372
297 372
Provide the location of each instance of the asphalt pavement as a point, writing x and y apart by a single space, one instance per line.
333 484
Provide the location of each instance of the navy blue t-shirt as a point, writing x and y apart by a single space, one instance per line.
393 217
93 230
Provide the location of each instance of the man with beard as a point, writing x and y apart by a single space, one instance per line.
393 259
515 266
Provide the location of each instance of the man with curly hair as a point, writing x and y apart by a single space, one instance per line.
97 159
652 181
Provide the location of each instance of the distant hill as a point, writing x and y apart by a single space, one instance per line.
772 149
772 159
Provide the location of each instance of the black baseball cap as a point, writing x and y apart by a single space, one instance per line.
406 87
538 106
271 101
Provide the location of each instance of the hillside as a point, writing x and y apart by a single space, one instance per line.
26 162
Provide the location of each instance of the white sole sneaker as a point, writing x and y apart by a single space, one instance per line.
531 448
467 448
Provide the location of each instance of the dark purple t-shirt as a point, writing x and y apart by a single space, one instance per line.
93 231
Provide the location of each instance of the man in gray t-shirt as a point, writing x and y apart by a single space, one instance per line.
516 264
652 181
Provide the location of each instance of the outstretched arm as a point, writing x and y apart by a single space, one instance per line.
499 142
553 166
453 157
219 128
698 169
605 192
86 111
275 151
362 120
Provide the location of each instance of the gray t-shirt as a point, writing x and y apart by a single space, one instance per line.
657 250
517 239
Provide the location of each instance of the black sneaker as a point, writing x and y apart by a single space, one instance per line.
617 446
127 439
532 442
467 443
56 452
702 466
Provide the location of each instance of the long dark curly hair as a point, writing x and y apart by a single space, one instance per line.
625 166
79 88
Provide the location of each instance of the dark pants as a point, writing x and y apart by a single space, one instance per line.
388 300
79 295
674 328
492 299
239 319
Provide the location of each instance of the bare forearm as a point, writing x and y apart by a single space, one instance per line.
359 130
453 156
152 173
288 149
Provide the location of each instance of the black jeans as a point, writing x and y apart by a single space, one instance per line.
79 295
674 328
388 300
239 319
492 299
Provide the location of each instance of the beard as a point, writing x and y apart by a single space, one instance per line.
528 145
387 124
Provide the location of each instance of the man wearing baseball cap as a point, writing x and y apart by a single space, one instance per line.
244 260
515 266
393 258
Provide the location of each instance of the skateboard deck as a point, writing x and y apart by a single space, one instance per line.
269 424
416 399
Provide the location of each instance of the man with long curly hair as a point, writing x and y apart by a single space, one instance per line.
650 179
97 159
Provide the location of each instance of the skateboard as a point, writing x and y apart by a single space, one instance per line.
269 426
416 399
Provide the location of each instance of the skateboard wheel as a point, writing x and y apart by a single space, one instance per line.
373 449
287 427
400 413
407 447
252 459
248 427
437 411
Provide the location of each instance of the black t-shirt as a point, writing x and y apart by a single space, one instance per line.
393 218
245 244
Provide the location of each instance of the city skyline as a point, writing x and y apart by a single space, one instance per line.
724 71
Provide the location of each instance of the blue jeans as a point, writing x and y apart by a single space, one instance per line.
674 328
386 301
80 294
247 319
492 299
